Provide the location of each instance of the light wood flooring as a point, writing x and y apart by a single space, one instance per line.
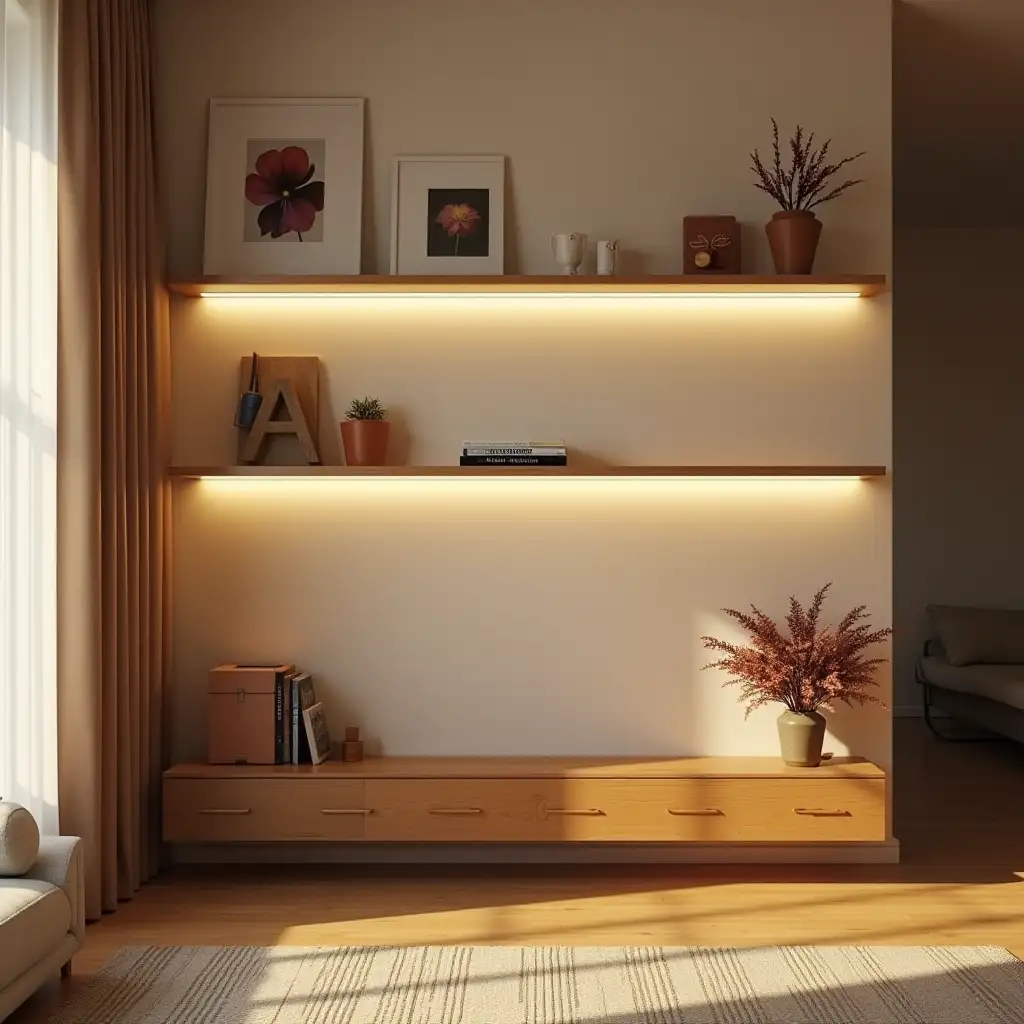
961 881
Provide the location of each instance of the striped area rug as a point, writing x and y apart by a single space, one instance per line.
558 985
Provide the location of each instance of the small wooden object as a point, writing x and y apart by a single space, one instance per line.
304 374
711 245
352 745
280 392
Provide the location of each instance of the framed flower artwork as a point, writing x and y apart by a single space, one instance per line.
448 215
284 188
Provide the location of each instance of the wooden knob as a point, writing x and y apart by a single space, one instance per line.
702 259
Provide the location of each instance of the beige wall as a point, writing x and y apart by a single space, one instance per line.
557 616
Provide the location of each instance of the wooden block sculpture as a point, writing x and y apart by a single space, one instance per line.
352 746
290 389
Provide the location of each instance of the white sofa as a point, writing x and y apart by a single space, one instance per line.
42 915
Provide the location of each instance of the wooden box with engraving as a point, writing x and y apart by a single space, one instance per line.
711 245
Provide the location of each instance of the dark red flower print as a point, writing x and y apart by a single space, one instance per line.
282 186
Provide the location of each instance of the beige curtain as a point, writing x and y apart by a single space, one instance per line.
113 501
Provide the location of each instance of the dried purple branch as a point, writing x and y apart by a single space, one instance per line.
811 667
805 183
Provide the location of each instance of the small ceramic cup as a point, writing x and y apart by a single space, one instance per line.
607 253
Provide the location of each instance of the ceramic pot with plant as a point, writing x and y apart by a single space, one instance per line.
804 666
807 182
365 432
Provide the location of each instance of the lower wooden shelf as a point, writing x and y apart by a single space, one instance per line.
528 800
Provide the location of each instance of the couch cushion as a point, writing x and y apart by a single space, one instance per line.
979 636
19 839
1002 683
33 918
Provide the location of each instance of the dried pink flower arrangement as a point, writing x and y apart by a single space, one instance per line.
811 667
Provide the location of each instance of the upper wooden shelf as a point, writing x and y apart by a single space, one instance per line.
539 768
348 472
840 286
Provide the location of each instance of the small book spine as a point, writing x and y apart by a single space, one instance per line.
294 724
513 460
279 718
286 714
515 451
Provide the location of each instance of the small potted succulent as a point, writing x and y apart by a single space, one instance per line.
807 670
365 432
794 231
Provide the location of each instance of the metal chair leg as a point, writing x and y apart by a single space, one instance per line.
947 737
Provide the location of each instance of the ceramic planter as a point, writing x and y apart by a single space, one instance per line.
801 737
793 236
365 442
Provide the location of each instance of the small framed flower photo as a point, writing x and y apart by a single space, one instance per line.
448 215
284 190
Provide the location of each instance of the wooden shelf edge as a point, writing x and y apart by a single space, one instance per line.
863 285
641 768
537 472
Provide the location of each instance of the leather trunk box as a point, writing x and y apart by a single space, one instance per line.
242 702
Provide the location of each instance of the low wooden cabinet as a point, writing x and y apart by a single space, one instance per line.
528 800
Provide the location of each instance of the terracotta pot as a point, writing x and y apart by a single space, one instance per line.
793 236
365 442
801 737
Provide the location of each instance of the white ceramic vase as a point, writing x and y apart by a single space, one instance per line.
568 251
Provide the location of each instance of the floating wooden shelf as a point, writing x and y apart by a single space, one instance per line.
839 286
349 472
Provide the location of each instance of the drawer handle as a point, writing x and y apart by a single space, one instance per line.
699 812
225 810
818 812
581 812
346 810
455 811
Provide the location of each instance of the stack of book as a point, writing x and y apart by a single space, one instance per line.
513 453
300 722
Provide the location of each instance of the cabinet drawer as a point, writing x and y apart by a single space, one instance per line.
715 811
262 810
627 810
454 810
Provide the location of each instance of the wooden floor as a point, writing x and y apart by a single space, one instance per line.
961 880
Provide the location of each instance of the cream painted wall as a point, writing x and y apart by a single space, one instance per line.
555 616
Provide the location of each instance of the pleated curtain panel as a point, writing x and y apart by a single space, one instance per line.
113 518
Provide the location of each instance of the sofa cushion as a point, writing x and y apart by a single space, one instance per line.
1001 683
19 839
33 918
979 636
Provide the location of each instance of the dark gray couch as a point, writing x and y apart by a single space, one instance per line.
972 668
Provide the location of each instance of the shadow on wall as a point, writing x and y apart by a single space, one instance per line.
958 75
958 420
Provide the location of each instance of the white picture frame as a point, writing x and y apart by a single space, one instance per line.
423 186
240 227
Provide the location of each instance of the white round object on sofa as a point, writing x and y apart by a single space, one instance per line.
19 840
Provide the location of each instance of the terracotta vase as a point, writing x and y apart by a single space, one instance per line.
801 737
793 236
365 442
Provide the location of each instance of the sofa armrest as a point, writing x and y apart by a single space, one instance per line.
60 862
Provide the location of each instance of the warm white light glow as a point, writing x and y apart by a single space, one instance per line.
460 296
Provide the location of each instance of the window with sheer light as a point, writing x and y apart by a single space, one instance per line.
28 406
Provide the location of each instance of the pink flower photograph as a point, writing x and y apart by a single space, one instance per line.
458 222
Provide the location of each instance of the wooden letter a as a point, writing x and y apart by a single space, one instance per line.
280 392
